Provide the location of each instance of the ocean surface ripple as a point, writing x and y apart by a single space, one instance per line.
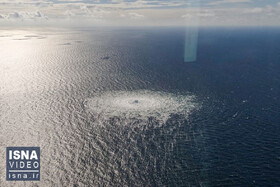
119 107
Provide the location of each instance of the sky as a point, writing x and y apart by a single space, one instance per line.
140 12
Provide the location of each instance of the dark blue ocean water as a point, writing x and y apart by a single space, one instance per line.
237 76
136 132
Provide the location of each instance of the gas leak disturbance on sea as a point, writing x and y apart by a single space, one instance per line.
141 105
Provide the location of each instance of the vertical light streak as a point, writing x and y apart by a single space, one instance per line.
191 35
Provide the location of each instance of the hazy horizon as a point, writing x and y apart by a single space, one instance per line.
90 13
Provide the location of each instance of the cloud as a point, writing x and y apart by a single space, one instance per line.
134 15
264 11
26 15
188 16
199 13
38 14
69 13
147 12
254 10
86 12
219 2
14 15
143 4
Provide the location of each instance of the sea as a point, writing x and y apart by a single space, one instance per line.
115 106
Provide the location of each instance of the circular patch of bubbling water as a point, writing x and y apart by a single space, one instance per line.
140 104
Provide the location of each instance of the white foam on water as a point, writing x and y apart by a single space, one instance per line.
140 104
